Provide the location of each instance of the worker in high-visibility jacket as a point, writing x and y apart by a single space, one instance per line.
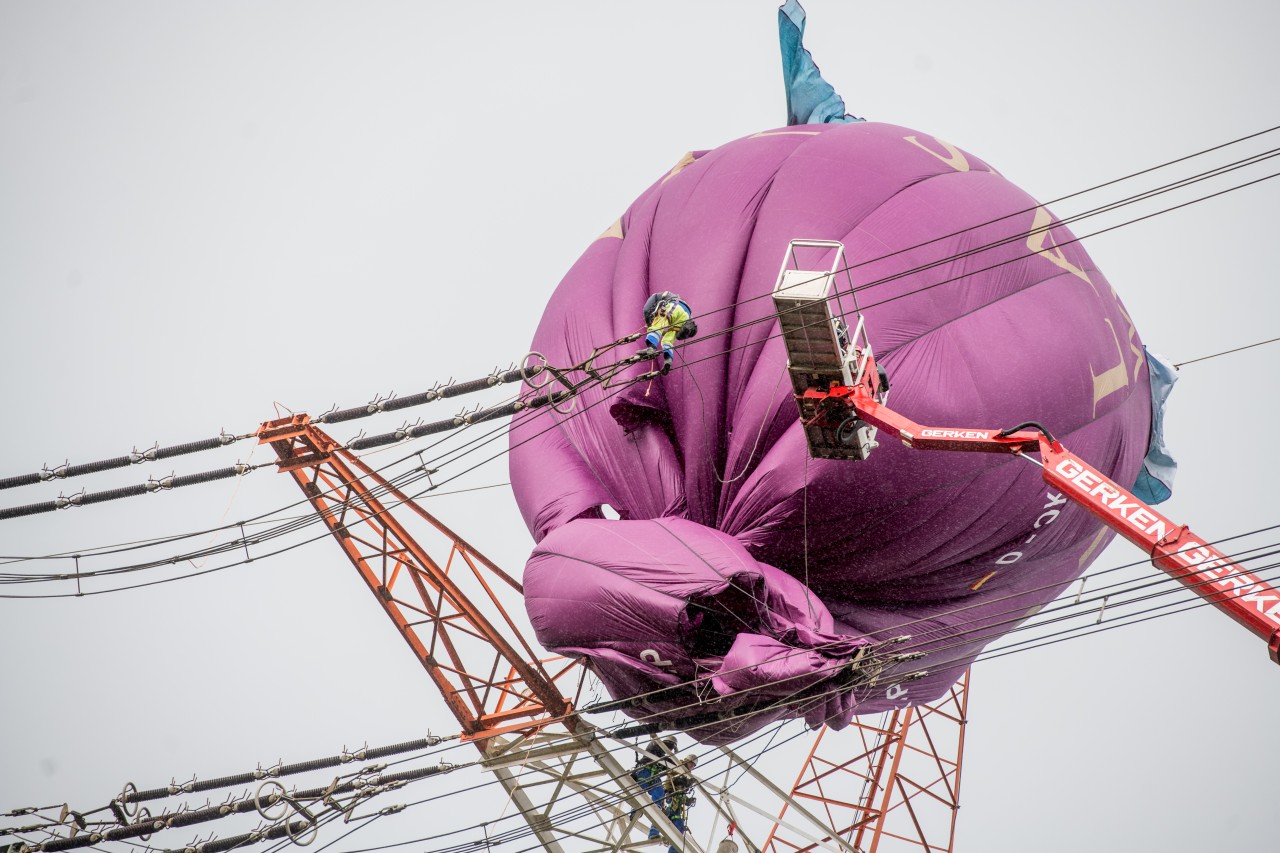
679 790
668 319
651 770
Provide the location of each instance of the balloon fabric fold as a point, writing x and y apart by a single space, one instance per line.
743 577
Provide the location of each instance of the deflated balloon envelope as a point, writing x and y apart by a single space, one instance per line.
743 576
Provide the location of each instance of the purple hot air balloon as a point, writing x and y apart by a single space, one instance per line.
746 582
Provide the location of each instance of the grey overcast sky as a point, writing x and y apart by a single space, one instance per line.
207 208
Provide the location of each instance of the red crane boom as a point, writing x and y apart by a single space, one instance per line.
1198 565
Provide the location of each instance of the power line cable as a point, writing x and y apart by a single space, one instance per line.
801 733
334 415
525 373
1225 352
559 818
401 434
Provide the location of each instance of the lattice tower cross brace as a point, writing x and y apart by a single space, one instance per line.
503 696
900 788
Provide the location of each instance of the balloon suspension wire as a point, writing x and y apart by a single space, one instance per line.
765 419
804 534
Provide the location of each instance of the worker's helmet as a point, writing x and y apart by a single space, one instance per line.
652 304
669 743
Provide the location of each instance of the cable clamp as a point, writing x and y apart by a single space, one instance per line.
225 438
397 808
242 468
378 403
465 416
137 457
62 502
356 438
324 418
47 473
163 484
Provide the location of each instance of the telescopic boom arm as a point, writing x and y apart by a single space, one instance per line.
842 397
1199 566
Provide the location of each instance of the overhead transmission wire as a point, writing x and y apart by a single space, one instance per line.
312 518
767 319
235 544
1183 182
1090 631
783 700
138 544
309 519
529 832
152 485
716 355
270 773
306 519
1246 347
1179 183
1225 352
1083 611
371 408
466 419
334 415
576 812
366 782
1025 649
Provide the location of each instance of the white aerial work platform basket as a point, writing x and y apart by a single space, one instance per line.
821 354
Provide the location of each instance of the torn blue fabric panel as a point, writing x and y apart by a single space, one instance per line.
810 99
1155 480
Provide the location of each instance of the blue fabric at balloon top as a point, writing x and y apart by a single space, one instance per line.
810 99
1155 480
